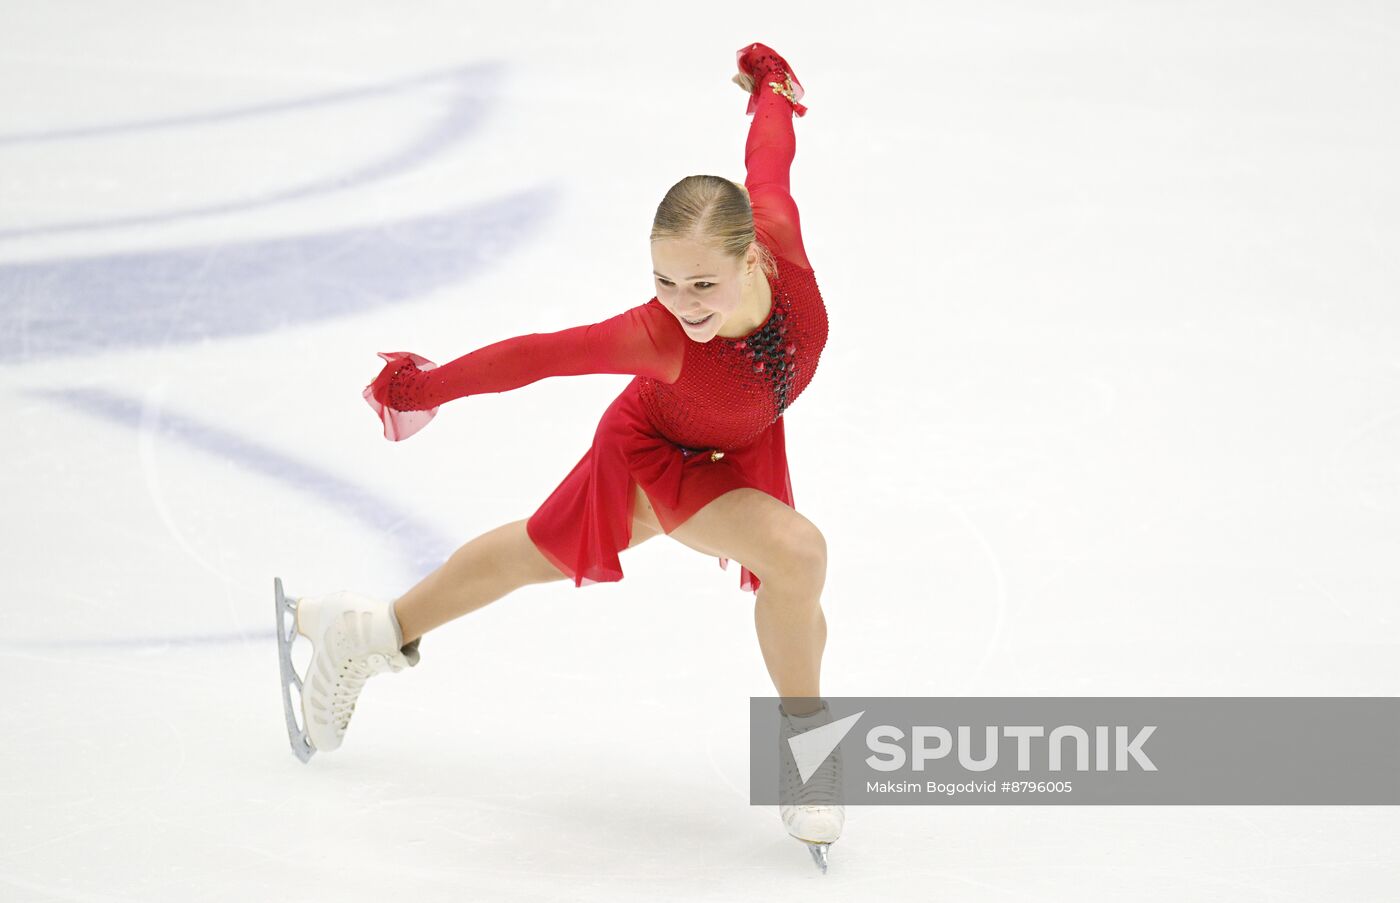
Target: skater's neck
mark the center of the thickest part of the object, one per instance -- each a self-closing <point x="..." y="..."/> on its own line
<point x="756" y="303"/>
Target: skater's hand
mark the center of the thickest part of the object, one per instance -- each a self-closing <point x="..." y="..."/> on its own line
<point x="761" y="65"/>
<point x="388" y="395"/>
<point x="386" y="379"/>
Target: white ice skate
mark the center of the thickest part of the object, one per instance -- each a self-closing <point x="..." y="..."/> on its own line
<point x="810" y="811"/>
<point x="353" y="638"/>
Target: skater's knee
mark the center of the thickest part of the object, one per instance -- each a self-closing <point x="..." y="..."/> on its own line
<point x="766" y="535"/>
<point x="796" y="554"/>
<point x="521" y="560"/>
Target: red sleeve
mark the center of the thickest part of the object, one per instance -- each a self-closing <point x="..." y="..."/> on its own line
<point x="768" y="156"/>
<point x="644" y="341"/>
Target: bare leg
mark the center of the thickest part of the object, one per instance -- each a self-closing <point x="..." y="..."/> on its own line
<point x="787" y="553"/>
<point x="792" y="633"/>
<point x="482" y="571"/>
<point x="489" y="567"/>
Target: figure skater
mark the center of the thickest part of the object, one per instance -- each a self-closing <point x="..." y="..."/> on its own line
<point x="693" y="447"/>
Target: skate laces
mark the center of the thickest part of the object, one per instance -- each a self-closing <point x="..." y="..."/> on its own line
<point x="354" y="671"/>
<point x="821" y="789"/>
<point x="823" y="786"/>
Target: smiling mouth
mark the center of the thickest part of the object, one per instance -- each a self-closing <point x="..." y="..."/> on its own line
<point x="698" y="322"/>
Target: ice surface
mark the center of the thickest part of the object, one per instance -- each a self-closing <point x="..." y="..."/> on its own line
<point x="1111" y="406"/>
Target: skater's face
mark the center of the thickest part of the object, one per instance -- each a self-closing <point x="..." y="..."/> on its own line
<point x="694" y="281"/>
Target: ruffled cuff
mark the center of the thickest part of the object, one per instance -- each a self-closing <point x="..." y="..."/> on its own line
<point x="770" y="72"/>
<point x="398" y="425"/>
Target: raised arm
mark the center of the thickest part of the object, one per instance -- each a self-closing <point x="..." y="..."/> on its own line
<point x="645" y="340"/>
<point x="770" y="149"/>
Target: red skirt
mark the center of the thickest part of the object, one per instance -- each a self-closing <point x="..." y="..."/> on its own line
<point x="587" y="520"/>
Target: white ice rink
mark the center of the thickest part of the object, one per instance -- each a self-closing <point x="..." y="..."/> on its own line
<point x="1110" y="406"/>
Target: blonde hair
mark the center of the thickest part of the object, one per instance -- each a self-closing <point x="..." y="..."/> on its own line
<point x="715" y="211"/>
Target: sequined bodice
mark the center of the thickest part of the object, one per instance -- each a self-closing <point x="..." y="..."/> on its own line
<point x="731" y="390"/>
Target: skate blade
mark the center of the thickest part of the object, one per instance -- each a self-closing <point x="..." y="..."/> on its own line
<point x="286" y="633"/>
<point x="818" y="851"/>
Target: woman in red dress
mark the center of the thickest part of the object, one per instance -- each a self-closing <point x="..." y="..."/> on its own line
<point x="693" y="447"/>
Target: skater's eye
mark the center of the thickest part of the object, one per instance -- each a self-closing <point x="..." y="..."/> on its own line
<point x="667" y="282"/>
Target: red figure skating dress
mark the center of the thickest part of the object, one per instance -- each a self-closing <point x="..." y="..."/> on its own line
<point x="699" y="419"/>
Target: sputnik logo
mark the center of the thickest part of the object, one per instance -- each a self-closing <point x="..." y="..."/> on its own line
<point x="810" y="748"/>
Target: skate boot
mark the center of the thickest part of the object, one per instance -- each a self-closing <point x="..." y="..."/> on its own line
<point x="810" y="810"/>
<point x="354" y="638"/>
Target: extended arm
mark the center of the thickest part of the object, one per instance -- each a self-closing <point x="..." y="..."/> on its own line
<point x="770" y="149"/>
<point x="644" y="341"/>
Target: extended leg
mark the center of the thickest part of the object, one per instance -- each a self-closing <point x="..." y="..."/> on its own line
<point x="489" y="567"/>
